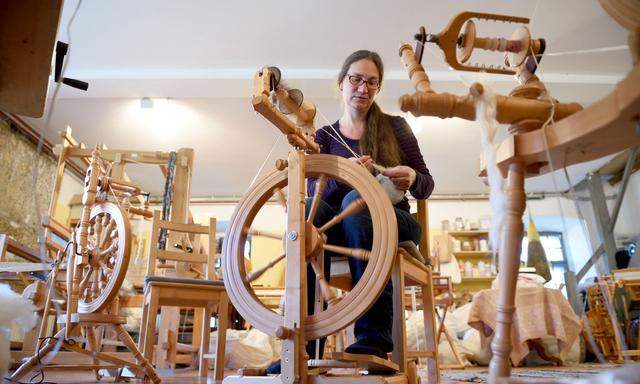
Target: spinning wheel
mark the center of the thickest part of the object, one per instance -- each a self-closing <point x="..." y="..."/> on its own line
<point x="97" y="262"/>
<point x="108" y="247"/>
<point x="544" y="134"/>
<point x="340" y="313"/>
<point x="305" y="244"/>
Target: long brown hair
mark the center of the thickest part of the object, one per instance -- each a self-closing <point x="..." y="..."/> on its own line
<point x="378" y="140"/>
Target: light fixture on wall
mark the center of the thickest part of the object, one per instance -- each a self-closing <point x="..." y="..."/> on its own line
<point x="146" y="103"/>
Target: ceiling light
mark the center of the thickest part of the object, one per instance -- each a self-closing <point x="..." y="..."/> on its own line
<point x="146" y="103"/>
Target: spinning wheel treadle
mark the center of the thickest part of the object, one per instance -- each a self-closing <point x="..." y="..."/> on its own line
<point x="341" y="313"/>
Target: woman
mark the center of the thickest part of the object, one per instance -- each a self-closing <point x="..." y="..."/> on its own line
<point x="377" y="138"/>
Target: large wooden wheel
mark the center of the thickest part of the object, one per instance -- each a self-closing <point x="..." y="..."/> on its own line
<point x="349" y="308"/>
<point x="108" y="248"/>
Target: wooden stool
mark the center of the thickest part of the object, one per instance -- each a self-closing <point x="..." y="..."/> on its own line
<point x="208" y="294"/>
<point x="407" y="272"/>
<point x="442" y="286"/>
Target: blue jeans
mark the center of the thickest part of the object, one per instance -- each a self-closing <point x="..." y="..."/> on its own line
<point x="356" y="231"/>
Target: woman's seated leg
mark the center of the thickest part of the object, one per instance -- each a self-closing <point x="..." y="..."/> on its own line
<point x="373" y="329"/>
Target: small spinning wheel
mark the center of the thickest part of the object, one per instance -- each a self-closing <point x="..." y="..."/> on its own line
<point x="108" y="248"/>
<point x="340" y="312"/>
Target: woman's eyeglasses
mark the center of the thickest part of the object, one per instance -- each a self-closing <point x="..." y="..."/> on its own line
<point x="356" y="80"/>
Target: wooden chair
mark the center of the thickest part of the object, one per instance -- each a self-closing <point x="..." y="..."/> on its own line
<point x="410" y="271"/>
<point x="442" y="286"/>
<point x="204" y="293"/>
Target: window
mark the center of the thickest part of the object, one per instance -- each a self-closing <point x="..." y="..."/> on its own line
<point x="554" y="250"/>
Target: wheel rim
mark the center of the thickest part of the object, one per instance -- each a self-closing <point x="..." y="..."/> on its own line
<point x="363" y="294"/>
<point x="109" y="247"/>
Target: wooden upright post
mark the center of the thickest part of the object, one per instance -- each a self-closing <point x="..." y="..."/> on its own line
<point x="423" y="219"/>
<point x="293" y="356"/>
<point x="510" y="247"/>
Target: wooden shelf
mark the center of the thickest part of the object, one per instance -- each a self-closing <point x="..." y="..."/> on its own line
<point x="468" y="233"/>
<point x="474" y="254"/>
<point x="478" y="278"/>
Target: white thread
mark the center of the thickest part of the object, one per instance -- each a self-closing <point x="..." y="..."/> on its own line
<point x="486" y="110"/>
<point x="339" y="138"/>
<point x="593" y="50"/>
<point x="273" y="147"/>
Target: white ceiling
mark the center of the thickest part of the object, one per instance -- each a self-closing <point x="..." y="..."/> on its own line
<point x="202" y="56"/>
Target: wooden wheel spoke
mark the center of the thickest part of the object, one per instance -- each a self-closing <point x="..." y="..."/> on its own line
<point x="105" y="266"/>
<point x="357" y="253"/>
<point x="353" y="208"/>
<point x="327" y="293"/>
<point x="112" y="248"/>
<point x="100" y="279"/>
<point x="97" y="230"/>
<point x="95" y="284"/>
<point x="259" y="272"/>
<point x="85" y="279"/>
<point x="282" y="199"/>
<point x="106" y="233"/>
<point x="317" y="196"/>
<point x="271" y="235"/>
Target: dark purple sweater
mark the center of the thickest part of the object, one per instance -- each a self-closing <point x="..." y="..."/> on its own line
<point x="334" y="192"/>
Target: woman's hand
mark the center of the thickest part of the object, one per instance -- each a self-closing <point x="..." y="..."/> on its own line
<point x="364" y="160"/>
<point x="401" y="176"/>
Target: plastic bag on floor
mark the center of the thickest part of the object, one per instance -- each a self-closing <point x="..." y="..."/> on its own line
<point x="550" y="345"/>
<point x="250" y="348"/>
<point x="416" y="341"/>
<point x="471" y="343"/>
<point x="446" y="354"/>
<point x="20" y="312"/>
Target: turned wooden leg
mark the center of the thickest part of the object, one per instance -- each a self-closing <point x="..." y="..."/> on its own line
<point x="150" y="326"/>
<point x="143" y="325"/>
<point x="399" y="331"/>
<point x="126" y="339"/>
<point x="430" y="333"/>
<point x="205" y="336"/>
<point x="509" y="261"/>
<point x="93" y="346"/>
<point x="223" y="324"/>
<point x="40" y="354"/>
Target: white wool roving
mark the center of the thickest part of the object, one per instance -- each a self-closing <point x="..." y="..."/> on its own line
<point x="18" y="310"/>
<point x="486" y="117"/>
<point x="395" y="195"/>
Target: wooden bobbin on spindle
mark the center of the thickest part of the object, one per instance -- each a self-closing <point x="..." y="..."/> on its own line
<point x="517" y="47"/>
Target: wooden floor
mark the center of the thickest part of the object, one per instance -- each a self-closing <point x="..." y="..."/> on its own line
<point x="191" y="376"/>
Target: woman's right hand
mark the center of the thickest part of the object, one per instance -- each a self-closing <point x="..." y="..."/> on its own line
<point x="364" y="160"/>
